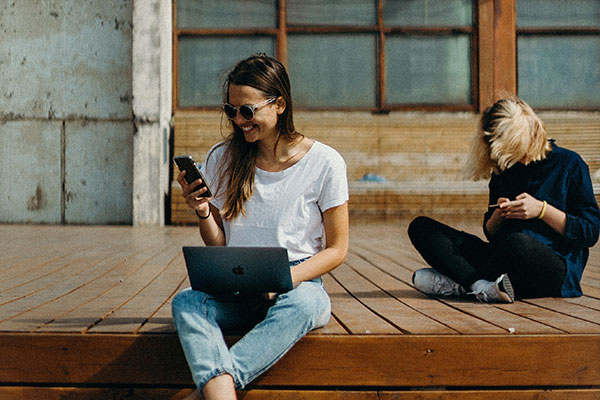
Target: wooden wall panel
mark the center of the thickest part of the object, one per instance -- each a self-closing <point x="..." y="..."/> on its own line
<point x="418" y="154"/>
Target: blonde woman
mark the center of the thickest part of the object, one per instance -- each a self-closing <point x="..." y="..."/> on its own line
<point x="541" y="219"/>
<point x="274" y="188"/>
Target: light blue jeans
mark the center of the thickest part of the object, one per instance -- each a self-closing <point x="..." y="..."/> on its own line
<point x="274" y="327"/>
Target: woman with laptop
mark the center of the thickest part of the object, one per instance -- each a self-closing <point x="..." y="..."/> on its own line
<point x="272" y="187"/>
<point x="541" y="219"/>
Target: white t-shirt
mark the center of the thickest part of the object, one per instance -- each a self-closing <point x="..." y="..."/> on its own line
<point x="285" y="209"/>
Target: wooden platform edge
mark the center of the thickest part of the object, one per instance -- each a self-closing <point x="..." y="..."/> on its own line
<point x="130" y="393"/>
<point x="316" y="361"/>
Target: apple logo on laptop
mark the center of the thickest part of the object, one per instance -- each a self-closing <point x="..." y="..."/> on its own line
<point x="239" y="270"/>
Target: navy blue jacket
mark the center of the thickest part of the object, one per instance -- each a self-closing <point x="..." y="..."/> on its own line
<point x="563" y="180"/>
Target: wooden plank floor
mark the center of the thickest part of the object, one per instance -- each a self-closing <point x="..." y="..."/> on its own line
<point x="85" y="313"/>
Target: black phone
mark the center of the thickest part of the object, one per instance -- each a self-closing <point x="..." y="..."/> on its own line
<point x="186" y="163"/>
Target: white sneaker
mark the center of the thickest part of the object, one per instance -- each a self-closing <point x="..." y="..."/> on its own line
<point x="499" y="291"/>
<point x="433" y="283"/>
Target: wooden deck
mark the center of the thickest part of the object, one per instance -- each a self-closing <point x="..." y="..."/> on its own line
<point x="85" y="313"/>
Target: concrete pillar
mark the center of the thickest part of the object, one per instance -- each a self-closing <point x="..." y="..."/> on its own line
<point x="152" y="108"/>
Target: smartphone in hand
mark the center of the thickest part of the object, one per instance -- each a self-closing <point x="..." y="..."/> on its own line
<point x="186" y="163"/>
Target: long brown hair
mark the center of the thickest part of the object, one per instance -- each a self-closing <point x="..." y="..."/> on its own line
<point x="268" y="75"/>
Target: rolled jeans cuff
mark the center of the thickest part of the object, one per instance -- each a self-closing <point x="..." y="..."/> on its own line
<point x="218" y="372"/>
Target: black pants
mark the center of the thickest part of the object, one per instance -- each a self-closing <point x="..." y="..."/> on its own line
<point x="534" y="269"/>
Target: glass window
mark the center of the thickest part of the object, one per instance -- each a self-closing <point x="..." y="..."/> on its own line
<point x="334" y="50"/>
<point x="558" y="13"/>
<point x="558" y="50"/>
<point x="333" y="70"/>
<point x="226" y="14"/>
<point x="340" y="12"/>
<point x="427" y="13"/>
<point x="428" y="70"/>
<point x="203" y="60"/>
<point x="559" y="71"/>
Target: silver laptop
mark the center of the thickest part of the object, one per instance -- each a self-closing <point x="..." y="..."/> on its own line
<point x="243" y="270"/>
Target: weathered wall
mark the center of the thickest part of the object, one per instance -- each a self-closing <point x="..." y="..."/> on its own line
<point x="72" y="149"/>
<point x="65" y="104"/>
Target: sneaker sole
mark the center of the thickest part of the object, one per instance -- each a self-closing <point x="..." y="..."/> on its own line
<point x="506" y="286"/>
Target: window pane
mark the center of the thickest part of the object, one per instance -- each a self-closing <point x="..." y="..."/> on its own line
<point x="332" y="70"/>
<point x="341" y="12"/>
<point x="559" y="71"/>
<point x="428" y="70"/>
<point x="427" y="13"/>
<point x="202" y="60"/>
<point x="226" y="14"/>
<point x="555" y="13"/>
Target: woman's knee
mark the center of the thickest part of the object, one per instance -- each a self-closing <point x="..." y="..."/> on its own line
<point x="420" y="230"/>
<point x="180" y="300"/>
<point x="416" y="228"/>
<point x="309" y="302"/>
<point x="187" y="299"/>
<point x="418" y="225"/>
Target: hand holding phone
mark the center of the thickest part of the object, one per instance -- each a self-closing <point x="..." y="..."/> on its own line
<point x="192" y="173"/>
<point x="501" y="200"/>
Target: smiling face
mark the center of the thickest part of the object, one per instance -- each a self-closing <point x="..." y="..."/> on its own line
<point x="264" y="124"/>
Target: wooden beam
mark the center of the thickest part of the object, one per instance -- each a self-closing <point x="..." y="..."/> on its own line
<point x="497" y="57"/>
<point x="282" y="53"/>
<point x="79" y="393"/>
<point x="485" y="22"/>
<point x="382" y="81"/>
<point x="426" y="361"/>
<point x="316" y="361"/>
<point x="505" y="48"/>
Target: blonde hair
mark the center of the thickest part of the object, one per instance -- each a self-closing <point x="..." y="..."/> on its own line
<point x="509" y="132"/>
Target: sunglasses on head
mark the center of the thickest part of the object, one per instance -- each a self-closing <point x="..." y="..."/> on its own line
<point x="247" y="110"/>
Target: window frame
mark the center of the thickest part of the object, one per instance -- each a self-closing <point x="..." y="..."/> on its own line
<point x="493" y="44"/>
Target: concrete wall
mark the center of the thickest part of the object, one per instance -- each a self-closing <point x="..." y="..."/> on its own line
<point x="71" y="145"/>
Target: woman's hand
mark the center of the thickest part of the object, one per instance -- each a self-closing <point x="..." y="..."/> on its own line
<point x="211" y="229"/>
<point x="497" y="218"/>
<point x="524" y="206"/>
<point x="193" y="196"/>
<point x="270" y="296"/>
<point x="502" y="202"/>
